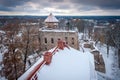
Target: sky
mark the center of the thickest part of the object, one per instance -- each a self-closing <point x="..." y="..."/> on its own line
<point x="60" y="7"/>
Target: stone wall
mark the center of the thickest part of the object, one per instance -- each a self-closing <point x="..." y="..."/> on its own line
<point x="71" y="38"/>
<point x="98" y="59"/>
<point x="99" y="62"/>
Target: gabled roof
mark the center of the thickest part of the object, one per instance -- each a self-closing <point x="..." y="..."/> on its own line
<point x="69" y="64"/>
<point x="66" y="63"/>
<point x="51" y="18"/>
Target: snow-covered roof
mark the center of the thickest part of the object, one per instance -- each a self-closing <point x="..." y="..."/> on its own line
<point x="26" y="74"/>
<point x="56" y="30"/>
<point x="51" y="18"/>
<point x="69" y="64"/>
<point x="66" y="64"/>
<point x="100" y="26"/>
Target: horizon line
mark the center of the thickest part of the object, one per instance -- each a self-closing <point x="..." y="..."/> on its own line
<point x="57" y="15"/>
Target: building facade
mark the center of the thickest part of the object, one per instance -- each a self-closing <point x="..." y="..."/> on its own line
<point x="50" y="35"/>
<point x="49" y="38"/>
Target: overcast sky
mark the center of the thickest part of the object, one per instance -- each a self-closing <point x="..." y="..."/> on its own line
<point x="60" y="7"/>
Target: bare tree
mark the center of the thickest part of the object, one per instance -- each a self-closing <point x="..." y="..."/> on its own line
<point x="12" y="59"/>
<point x="115" y="36"/>
<point x="30" y="41"/>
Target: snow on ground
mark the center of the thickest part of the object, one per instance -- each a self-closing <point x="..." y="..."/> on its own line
<point x="1" y="58"/>
<point x="69" y="64"/>
<point x="111" y="60"/>
<point x="32" y="59"/>
<point x="3" y="49"/>
<point x="2" y="32"/>
<point x="80" y="36"/>
<point x="19" y="34"/>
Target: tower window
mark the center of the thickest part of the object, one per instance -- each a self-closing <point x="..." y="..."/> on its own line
<point x="45" y="40"/>
<point x="52" y="40"/>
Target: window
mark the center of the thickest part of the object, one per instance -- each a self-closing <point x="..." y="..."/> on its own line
<point x="72" y="38"/>
<point x="66" y="42"/>
<point x="66" y="38"/>
<point x="45" y="48"/>
<point x="58" y="39"/>
<point x="45" y="40"/>
<point x="72" y="41"/>
<point x="39" y="39"/>
<point x="52" y="40"/>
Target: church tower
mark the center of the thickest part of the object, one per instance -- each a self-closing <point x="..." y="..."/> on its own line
<point x="51" y="21"/>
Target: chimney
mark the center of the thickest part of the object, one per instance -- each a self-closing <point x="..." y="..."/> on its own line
<point x="60" y="44"/>
<point x="48" y="57"/>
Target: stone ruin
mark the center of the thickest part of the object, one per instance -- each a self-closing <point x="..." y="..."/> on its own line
<point x="98" y="58"/>
<point x="99" y="62"/>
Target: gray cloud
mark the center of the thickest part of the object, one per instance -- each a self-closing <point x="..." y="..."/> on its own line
<point x="12" y="3"/>
<point x="64" y="6"/>
<point x="7" y="5"/>
<point x="73" y="5"/>
<point x="2" y="8"/>
<point x="56" y="0"/>
<point x="103" y="4"/>
<point x="86" y="8"/>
